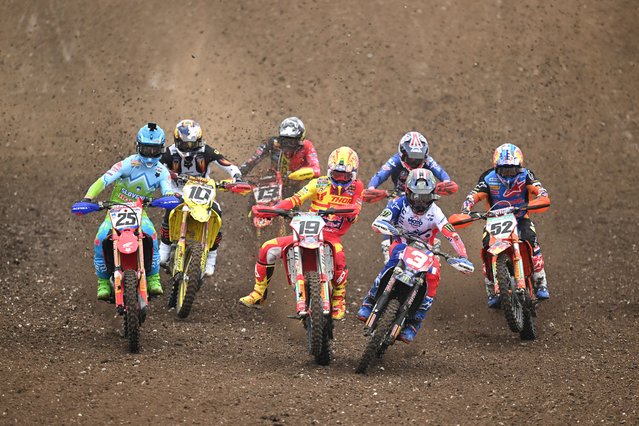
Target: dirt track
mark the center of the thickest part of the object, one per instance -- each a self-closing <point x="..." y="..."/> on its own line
<point x="560" y="80"/>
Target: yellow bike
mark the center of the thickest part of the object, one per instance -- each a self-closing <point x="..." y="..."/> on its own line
<point x="193" y="228"/>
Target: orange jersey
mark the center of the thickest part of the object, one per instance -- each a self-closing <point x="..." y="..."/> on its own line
<point x="324" y="195"/>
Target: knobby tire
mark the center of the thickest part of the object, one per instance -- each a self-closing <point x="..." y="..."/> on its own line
<point x="513" y="310"/>
<point x="529" y="329"/>
<point x="375" y="346"/>
<point x="188" y="289"/>
<point x="131" y="310"/>
<point x="316" y="322"/>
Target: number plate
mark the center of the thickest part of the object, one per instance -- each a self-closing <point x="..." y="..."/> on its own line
<point x="416" y="259"/>
<point x="199" y="194"/>
<point x="267" y="194"/>
<point x="307" y="226"/>
<point x="123" y="217"/>
<point x="502" y="226"/>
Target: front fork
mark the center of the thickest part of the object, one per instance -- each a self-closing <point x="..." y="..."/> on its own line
<point x="180" y="248"/>
<point x="518" y="269"/>
<point x="300" y="284"/>
<point x="118" y="275"/>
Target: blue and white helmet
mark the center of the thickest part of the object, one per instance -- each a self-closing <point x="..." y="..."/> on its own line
<point x="150" y="144"/>
<point x="508" y="162"/>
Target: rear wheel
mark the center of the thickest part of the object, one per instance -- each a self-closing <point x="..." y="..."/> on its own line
<point x="376" y="346"/>
<point x="316" y="323"/>
<point x="510" y="302"/>
<point x="190" y="280"/>
<point x="131" y="310"/>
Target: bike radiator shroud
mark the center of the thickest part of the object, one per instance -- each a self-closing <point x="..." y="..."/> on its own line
<point x="328" y="261"/>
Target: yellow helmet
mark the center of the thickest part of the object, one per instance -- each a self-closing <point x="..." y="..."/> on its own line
<point x="342" y="166"/>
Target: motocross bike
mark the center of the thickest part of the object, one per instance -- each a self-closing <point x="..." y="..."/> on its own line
<point x="309" y="268"/>
<point x="267" y="191"/>
<point x="508" y="263"/>
<point x="193" y="228"/>
<point x="400" y="295"/>
<point x="128" y="253"/>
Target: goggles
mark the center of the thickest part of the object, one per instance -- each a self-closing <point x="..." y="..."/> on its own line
<point x="508" y="171"/>
<point x="150" y="151"/>
<point x="187" y="146"/>
<point x="413" y="163"/>
<point x="341" y="177"/>
<point x="421" y="202"/>
<point x="288" y="142"/>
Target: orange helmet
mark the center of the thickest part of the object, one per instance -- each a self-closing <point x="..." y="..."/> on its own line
<point x="342" y="166"/>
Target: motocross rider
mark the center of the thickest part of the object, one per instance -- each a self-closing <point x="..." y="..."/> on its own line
<point x="510" y="183"/>
<point x="412" y="153"/>
<point x="291" y="154"/>
<point x="137" y="176"/>
<point x="340" y="189"/>
<point x="190" y="155"/>
<point x="416" y="214"/>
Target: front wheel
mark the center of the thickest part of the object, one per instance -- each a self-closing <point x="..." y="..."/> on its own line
<point x="190" y="280"/>
<point x="317" y="326"/>
<point x="376" y="345"/>
<point x="529" y="329"/>
<point x="131" y="310"/>
<point x="510" y="302"/>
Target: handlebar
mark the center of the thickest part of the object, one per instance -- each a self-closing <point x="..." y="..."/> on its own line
<point x="85" y="207"/>
<point x="291" y="213"/>
<point x="411" y="238"/>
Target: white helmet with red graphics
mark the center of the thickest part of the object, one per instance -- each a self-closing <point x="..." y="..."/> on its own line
<point x="413" y="150"/>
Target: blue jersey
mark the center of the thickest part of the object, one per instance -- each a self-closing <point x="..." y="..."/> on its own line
<point x="496" y="190"/>
<point x="394" y="169"/>
<point x="132" y="180"/>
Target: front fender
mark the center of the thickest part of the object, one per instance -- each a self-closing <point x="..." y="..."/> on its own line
<point x="128" y="243"/>
<point x="499" y="247"/>
<point x="200" y="212"/>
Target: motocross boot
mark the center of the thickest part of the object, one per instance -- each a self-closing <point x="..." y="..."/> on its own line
<point x="369" y="301"/>
<point x="104" y="289"/>
<point x="494" y="301"/>
<point x="414" y="324"/>
<point x="153" y="285"/>
<point x="540" y="283"/>
<point x="210" y="263"/>
<point x="165" y="253"/>
<point x="256" y="298"/>
<point x="338" y="301"/>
